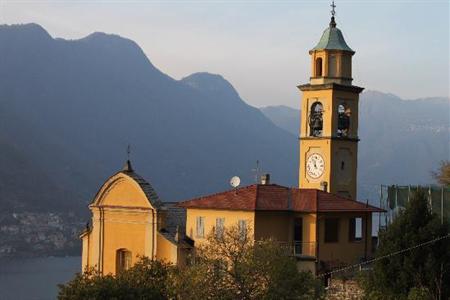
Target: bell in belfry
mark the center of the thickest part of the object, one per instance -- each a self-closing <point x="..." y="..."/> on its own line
<point x="343" y="122"/>
<point x="316" y="123"/>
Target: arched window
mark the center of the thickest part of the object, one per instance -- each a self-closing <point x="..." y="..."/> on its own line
<point x="316" y="119"/>
<point x="123" y="260"/>
<point x="344" y="114"/>
<point x="319" y="67"/>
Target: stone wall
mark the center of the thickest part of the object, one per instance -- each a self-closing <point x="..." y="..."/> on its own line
<point x="344" y="290"/>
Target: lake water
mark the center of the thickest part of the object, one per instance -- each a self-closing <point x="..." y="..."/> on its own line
<point x="35" y="278"/>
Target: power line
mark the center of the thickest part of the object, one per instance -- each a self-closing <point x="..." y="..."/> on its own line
<point x="384" y="256"/>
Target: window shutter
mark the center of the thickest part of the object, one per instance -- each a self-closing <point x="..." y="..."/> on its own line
<point x="220" y="222"/>
<point x="242" y="228"/>
<point x="200" y="227"/>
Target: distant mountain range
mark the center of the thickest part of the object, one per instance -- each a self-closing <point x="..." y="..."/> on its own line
<point x="402" y="141"/>
<point x="69" y="108"/>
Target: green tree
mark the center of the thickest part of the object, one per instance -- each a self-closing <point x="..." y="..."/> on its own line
<point x="147" y="279"/>
<point x="233" y="266"/>
<point x="230" y="267"/>
<point x="422" y="270"/>
<point x="442" y="175"/>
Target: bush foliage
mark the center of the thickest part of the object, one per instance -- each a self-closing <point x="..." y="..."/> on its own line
<point x="422" y="272"/>
<point x="231" y="266"/>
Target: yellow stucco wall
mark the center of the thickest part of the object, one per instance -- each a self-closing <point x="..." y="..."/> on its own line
<point x="345" y="251"/>
<point x="130" y="230"/>
<point x="121" y="190"/>
<point x="309" y="234"/>
<point x="231" y="219"/>
<point x="167" y="251"/>
<point x="265" y="224"/>
<point x="85" y="245"/>
<point x="279" y="226"/>
<point x="274" y="225"/>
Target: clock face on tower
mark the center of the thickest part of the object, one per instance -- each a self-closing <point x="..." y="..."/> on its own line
<point x="315" y="165"/>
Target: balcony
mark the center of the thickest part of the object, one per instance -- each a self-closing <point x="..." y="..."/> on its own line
<point x="301" y="249"/>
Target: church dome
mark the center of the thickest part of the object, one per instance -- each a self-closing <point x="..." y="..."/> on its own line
<point x="332" y="39"/>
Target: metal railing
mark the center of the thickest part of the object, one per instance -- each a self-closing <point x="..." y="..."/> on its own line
<point x="301" y="249"/>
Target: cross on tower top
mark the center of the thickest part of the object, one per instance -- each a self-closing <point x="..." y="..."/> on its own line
<point x="333" y="13"/>
<point x="333" y="6"/>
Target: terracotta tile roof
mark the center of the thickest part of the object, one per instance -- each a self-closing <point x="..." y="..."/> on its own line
<point x="277" y="197"/>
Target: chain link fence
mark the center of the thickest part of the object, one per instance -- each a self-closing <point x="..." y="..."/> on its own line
<point x="394" y="198"/>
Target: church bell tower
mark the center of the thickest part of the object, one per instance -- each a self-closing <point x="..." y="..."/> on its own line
<point x="329" y="117"/>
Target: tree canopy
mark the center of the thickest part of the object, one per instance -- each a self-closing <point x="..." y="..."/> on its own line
<point x="421" y="273"/>
<point x="147" y="279"/>
<point x="442" y="175"/>
<point x="229" y="266"/>
<point x="233" y="266"/>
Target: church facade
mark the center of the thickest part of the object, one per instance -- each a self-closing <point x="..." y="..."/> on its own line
<point x="320" y="221"/>
<point x="129" y="221"/>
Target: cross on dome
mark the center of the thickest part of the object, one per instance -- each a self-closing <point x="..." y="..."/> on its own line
<point x="333" y="6"/>
<point x="333" y="13"/>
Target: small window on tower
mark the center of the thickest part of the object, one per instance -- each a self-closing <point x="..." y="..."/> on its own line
<point x="316" y="119"/>
<point x="319" y="67"/>
<point x="344" y="114"/>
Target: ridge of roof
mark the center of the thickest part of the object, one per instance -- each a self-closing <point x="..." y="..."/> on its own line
<point x="259" y="197"/>
<point x="255" y="185"/>
<point x="236" y="191"/>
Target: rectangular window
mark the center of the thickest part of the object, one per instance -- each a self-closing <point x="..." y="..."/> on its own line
<point x="219" y="227"/>
<point x="298" y="236"/>
<point x="355" y="229"/>
<point x="331" y="230"/>
<point x="242" y="228"/>
<point x="200" y="232"/>
<point x="298" y="229"/>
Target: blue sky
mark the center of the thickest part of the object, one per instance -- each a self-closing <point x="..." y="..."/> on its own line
<point x="261" y="47"/>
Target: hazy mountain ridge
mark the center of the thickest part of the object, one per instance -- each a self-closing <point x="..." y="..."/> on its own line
<point x="69" y="108"/>
<point x="87" y="99"/>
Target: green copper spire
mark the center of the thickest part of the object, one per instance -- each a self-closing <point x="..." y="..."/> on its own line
<point x="332" y="38"/>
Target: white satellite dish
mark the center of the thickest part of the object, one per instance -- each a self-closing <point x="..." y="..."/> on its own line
<point x="235" y="181"/>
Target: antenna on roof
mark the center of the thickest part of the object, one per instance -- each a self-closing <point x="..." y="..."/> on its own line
<point x="128" y="151"/>
<point x="257" y="171"/>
